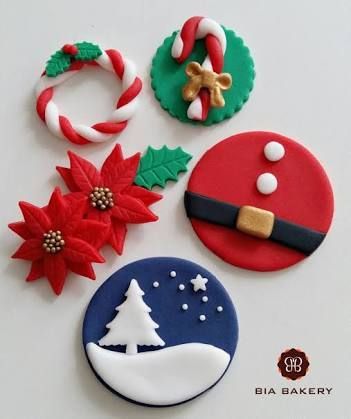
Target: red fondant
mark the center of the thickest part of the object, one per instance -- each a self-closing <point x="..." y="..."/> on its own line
<point x="65" y="216"/>
<point x="70" y="49"/>
<point x="228" y="172"/>
<point x="118" y="174"/>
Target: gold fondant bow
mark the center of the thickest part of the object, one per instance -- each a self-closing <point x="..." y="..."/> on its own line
<point x="200" y="78"/>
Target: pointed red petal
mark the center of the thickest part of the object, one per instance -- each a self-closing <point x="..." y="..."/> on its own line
<point x="30" y="250"/>
<point x="68" y="178"/>
<point x="85" y="175"/>
<point x="112" y="160"/>
<point x="76" y="208"/>
<point x="21" y="229"/>
<point x="77" y="250"/>
<point x="56" y="271"/>
<point x="148" y="197"/>
<point x="57" y="209"/>
<point x="74" y="196"/>
<point x="92" y="232"/>
<point x="36" y="219"/>
<point x="122" y="175"/>
<point x="131" y="210"/>
<point x="83" y="269"/>
<point x="117" y="235"/>
<point x="101" y="216"/>
<point x="36" y="271"/>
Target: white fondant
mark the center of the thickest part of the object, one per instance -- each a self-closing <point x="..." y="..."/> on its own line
<point x="266" y="183"/>
<point x="133" y="324"/>
<point x="199" y="283"/>
<point x="156" y="284"/>
<point x="105" y="62"/>
<point x="204" y="299"/>
<point x="202" y="317"/>
<point x="177" y="46"/>
<point x="209" y="26"/>
<point x="219" y="309"/>
<point x="52" y="118"/>
<point x="91" y="133"/>
<point x="124" y="113"/>
<point x="274" y="151"/>
<point x="173" y="274"/>
<point x="181" y="287"/>
<point x="162" y="377"/>
<point x="195" y="109"/>
<point x="206" y="27"/>
<point x="185" y="307"/>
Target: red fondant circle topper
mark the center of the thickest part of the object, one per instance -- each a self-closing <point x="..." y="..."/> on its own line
<point x="282" y="177"/>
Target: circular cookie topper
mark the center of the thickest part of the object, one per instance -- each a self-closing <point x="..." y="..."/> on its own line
<point x="157" y="345"/>
<point x="260" y="201"/>
<point x="67" y="62"/>
<point x="203" y="73"/>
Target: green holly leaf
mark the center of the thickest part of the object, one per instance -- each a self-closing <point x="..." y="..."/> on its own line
<point x="57" y="64"/>
<point x="87" y="51"/>
<point x="158" y="166"/>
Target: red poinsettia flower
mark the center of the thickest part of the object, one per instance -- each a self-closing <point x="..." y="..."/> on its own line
<point x="58" y="240"/>
<point x="110" y="194"/>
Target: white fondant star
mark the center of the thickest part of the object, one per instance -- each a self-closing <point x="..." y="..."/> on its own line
<point x="199" y="283"/>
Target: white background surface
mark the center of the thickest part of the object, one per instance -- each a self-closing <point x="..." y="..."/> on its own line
<point x="302" y="89"/>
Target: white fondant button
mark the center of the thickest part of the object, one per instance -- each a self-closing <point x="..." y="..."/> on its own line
<point x="266" y="183"/>
<point x="274" y="151"/>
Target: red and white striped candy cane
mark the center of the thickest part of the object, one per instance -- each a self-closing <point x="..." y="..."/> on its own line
<point x="61" y="126"/>
<point x="198" y="27"/>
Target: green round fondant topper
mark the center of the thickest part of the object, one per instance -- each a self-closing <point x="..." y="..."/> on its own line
<point x="168" y="77"/>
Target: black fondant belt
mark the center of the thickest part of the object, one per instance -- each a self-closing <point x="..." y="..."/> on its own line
<point x="253" y="221"/>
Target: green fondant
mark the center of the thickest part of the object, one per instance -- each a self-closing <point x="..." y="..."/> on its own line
<point x="60" y="62"/>
<point x="158" y="166"/>
<point x="168" y="78"/>
<point x="57" y="64"/>
<point x="87" y="51"/>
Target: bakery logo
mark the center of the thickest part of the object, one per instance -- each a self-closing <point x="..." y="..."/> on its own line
<point x="293" y="364"/>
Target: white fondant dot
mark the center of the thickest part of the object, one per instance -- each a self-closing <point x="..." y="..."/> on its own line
<point x="274" y="151"/>
<point x="173" y="274"/>
<point x="219" y="309"/>
<point x="155" y="284"/>
<point x="181" y="287"/>
<point x="202" y="317"/>
<point x="204" y="299"/>
<point x="185" y="307"/>
<point x="266" y="183"/>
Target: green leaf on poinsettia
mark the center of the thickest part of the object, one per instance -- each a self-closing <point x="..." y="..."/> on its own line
<point x="57" y="64"/>
<point x="87" y="51"/>
<point x="158" y="166"/>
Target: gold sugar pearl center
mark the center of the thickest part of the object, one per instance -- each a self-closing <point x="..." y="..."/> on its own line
<point x="101" y="198"/>
<point x="53" y="241"/>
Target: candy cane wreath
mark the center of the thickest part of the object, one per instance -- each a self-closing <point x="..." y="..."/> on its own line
<point x="67" y="62"/>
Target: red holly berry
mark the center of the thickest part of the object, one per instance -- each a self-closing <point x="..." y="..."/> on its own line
<point x="58" y="240"/>
<point x="70" y="49"/>
<point x="110" y="194"/>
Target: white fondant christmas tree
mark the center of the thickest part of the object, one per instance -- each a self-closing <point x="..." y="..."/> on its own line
<point x="133" y="324"/>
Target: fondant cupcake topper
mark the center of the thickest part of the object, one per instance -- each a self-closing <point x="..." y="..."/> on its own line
<point x="160" y="331"/>
<point x="57" y="240"/>
<point x="67" y="62"/>
<point x="260" y="201"/>
<point x="210" y="56"/>
<point x="67" y="234"/>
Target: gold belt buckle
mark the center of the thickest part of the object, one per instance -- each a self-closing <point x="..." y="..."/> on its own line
<point x="255" y="221"/>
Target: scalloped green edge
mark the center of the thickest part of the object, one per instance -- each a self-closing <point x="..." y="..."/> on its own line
<point x="241" y="68"/>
